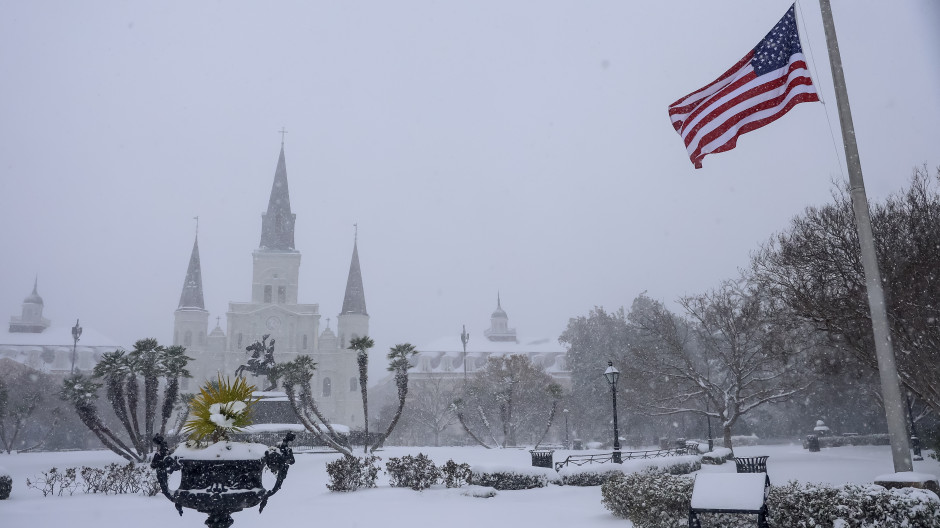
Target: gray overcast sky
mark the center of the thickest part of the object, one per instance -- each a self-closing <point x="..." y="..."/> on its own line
<point x="521" y="147"/>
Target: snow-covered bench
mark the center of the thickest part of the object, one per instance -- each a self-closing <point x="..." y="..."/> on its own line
<point x="739" y="493"/>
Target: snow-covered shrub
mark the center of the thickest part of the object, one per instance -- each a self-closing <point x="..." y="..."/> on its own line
<point x="597" y="474"/>
<point x="512" y="478"/>
<point x="6" y="483"/>
<point x="417" y="473"/>
<point x="718" y="456"/>
<point x="350" y="474"/>
<point x="857" y="440"/>
<point x="680" y="466"/>
<point x="117" y="479"/>
<point x="651" y="499"/>
<point x="113" y="478"/>
<point x="54" y="482"/>
<point x="592" y="476"/>
<point x="852" y="506"/>
<point x="455" y="475"/>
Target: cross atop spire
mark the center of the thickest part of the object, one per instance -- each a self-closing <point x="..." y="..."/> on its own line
<point x="282" y="132"/>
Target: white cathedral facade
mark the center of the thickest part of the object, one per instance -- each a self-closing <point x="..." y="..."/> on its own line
<point x="275" y="310"/>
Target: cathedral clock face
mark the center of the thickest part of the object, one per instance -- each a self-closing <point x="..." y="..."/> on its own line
<point x="273" y="323"/>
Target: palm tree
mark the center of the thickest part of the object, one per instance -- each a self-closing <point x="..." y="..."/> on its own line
<point x="147" y="357"/>
<point x="115" y="369"/>
<point x="362" y="345"/>
<point x="119" y="371"/>
<point x="173" y="365"/>
<point x="398" y="362"/>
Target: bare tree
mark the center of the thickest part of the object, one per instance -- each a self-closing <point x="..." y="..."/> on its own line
<point x="728" y="358"/>
<point x="814" y="267"/>
<point x="432" y="406"/>
<point x="26" y="421"/>
<point x="512" y="393"/>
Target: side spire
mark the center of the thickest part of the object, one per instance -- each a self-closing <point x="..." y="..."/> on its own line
<point x="277" y="224"/>
<point x="192" y="286"/>
<point x="355" y="300"/>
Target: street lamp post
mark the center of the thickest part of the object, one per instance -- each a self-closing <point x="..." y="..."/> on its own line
<point x="76" y="333"/>
<point x="567" y="443"/>
<point x="915" y="441"/>
<point x="464" y="337"/>
<point x="708" y="417"/>
<point x="612" y="375"/>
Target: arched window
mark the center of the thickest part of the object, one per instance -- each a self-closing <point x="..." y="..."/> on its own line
<point x="267" y="294"/>
<point x="188" y="338"/>
<point x="305" y="342"/>
<point x="353" y="384"/>
<point x="327" y="387"/>
<point x="239" y="340"/>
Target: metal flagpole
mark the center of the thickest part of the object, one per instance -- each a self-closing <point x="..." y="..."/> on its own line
<point x="887" y="366"/>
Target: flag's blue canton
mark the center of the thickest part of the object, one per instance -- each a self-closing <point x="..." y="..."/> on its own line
<point x="778" y="46"/>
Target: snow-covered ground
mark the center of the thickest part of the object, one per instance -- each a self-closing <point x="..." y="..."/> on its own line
<point x="304" y="498"/>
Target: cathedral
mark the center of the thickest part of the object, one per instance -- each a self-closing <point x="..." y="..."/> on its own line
<point x="275" y="310"/>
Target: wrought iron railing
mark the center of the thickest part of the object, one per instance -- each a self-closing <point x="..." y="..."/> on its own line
<point x="603" y="458"/>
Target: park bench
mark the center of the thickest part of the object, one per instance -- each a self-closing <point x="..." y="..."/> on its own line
<point x="730" y="493"/>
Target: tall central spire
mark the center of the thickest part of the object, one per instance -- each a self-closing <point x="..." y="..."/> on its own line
<point x="277" y="224"/>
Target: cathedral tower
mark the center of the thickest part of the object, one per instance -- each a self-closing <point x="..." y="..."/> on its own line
<point x="353" y="321"/>
<point x="273" y="309"/>
<point x="191" y="319"/>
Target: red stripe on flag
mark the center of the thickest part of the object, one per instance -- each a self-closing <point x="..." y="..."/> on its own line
<point x="730" y="122"/>
<point x="715" y="112"/>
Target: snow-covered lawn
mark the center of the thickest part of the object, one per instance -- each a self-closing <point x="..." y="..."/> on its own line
<point x="305" y="501"/>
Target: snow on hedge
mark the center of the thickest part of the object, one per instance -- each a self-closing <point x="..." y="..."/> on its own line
<point x="633" y="466"/>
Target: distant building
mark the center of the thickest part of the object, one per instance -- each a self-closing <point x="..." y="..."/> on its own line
<point x="32" y="340"/>
<point x="274" y="309"/>
<point x="445" y="359"/>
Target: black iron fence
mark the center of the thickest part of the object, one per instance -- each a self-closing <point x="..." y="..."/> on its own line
<point x="603" y="458"/>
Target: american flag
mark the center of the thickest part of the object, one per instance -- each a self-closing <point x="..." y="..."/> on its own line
<point x="758" y="90"/>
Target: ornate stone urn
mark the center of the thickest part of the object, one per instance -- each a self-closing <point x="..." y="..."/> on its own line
<point x="222" y="478"/>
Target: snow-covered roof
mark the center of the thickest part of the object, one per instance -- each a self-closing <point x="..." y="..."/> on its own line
<point x="521" y="346"/>
<point x="445" y="356"/>
<point x="57" y="336"/>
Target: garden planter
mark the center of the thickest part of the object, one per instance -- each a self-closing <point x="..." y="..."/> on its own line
<point x="222" y="478"/>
